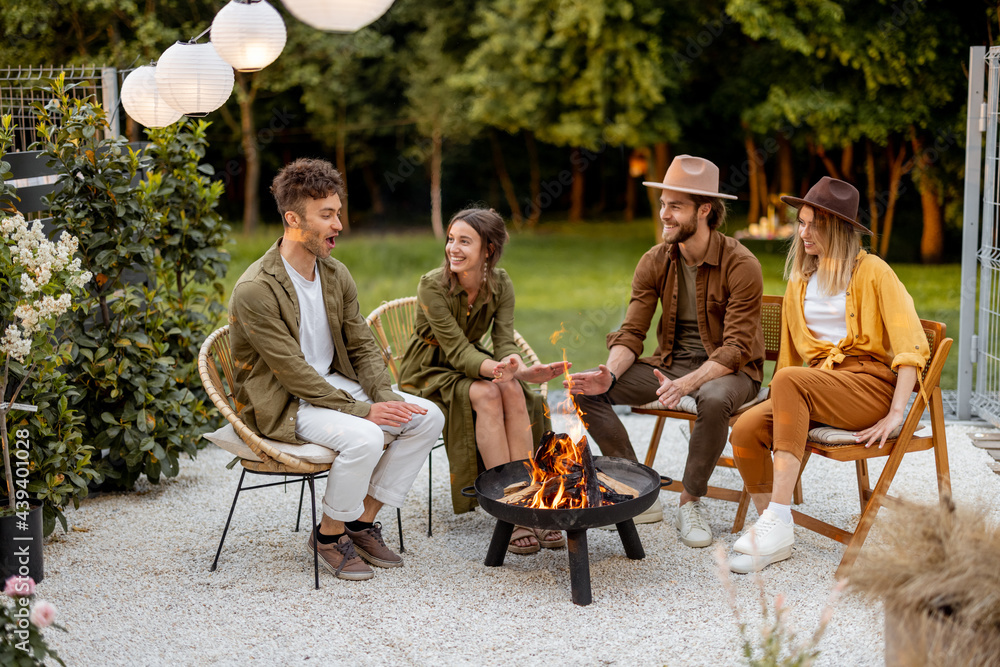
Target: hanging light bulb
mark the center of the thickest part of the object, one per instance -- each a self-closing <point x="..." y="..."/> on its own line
<point x="143" y="102"/>
<point x="193" y="79"/>
<point x="248" y="34"/>
<point x="337" y="15"/>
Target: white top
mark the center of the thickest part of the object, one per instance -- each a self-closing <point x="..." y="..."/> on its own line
<point x="315" y="337"/>
<point x="826" y="316"/>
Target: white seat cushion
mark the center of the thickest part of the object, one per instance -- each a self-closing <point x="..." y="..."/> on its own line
<point x="829" y="435"/>
<point x="227" y="439"/>
<point x="687" y="403"/>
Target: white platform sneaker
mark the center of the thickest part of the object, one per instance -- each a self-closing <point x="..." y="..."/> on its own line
<point x="768" y="541"/>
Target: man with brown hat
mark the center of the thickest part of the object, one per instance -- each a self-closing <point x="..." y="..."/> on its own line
<point x="710" y="345"/>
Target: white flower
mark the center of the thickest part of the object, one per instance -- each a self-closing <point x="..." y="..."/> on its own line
<point x="28" y="285"/>
<point x="13" y="344"/>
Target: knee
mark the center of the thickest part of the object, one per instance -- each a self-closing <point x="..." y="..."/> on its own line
<point x="788" y="379"/>
<point x="512" y="394"/>
<point x="435" y="417"/>
<point x="485" y="396"/>
<point x="714" y="403"/>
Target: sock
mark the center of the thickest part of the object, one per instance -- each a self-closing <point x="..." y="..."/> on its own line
<point x="327" y="539"/>
<point x="358" y="526"/>
<point x="784" y="512"/>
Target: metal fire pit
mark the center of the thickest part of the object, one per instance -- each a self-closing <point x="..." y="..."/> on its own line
<point x="646" y="481"/>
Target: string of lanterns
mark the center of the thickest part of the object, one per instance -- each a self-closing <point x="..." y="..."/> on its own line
<point x="193" y="79"/>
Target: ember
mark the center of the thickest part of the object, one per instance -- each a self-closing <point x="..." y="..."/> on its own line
<point x="563" y="476"/>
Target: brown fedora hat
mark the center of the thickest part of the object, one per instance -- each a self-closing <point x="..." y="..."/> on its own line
<point x="833" y="196"/>
<point x="694" y="175"/>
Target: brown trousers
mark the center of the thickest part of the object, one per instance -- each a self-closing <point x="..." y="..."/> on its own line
<point x="853" y="396"/>
<point x="717" y="400"/>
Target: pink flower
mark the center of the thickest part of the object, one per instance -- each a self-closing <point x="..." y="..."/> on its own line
<point x="19" y="587"/>
<point x="42" y="614"/>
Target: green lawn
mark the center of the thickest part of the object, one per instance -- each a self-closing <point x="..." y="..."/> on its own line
<point x="571" y="278"/>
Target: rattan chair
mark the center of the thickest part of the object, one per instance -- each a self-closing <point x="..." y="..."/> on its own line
<point x="688" y="410"/>
<point x="392" y="323"/>
<point x="265" y="457"/>
<point x="839" y="445"/>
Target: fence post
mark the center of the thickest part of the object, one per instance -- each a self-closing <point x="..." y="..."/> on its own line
<point x="970" y="229"/>
<point x="109" y="87"/>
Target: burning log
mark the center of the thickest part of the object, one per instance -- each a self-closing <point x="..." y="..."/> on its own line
<point x="615" y="486"/>
<point x="590" y="483"/>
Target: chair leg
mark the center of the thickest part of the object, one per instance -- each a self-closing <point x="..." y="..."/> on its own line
<point x="399" y="525"/>
<point x="225" y="530"/>
<point x="654" y="442"/>
<point x="298" y="517"/>
<point x="430" y="489"/>
<point x="864" y="485"/>
<point x="940" y="444"/>
<point x="312" y="500"/>
<point x="741" y="511"/>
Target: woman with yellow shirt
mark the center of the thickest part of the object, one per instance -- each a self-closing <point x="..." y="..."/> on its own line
<point x="851" y="322"/>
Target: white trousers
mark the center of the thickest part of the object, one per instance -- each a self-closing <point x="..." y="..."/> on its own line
<point x="380" y="461"/>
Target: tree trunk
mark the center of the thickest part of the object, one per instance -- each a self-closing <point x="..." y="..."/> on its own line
<point x="847" y="163"/>
<point x="437" y="223"/>
<point x="753" y="214"/>
<point x="932" y="237"/>
<point x="341" y="151"/>
<point x="655" y="172"/>
<point x="576" y="189"/>
<point x="629" y="197"/>
<point x="374" y="189"/>
<point x="247" y="92"/>
<point x="786" y="173"/>
<point x="602" y="199"/>
<point x="831" y="168"/>
<point x="535" y="179"/>
<point x="508" y="185"/>
<point x="872" y="193"/>
<point x="896" y="172"/>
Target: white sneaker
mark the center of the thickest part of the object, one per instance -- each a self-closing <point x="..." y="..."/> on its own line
<point x="693" y="525"/>
<point x="768" y="541"/>
<point x="651" y="515"/>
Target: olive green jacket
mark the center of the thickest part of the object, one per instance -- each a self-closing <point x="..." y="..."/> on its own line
<point x="271" y="371"/>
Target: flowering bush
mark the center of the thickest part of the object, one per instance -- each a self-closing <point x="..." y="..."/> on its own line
<point x="39" y="279"/>
<point x="21" y="639"/>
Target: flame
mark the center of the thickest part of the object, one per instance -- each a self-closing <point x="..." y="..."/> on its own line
<point x="556" y="335"/>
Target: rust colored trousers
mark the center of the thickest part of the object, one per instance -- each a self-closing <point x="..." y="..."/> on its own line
<point x="852" y="396"/>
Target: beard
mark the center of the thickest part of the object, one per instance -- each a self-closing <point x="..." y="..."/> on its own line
<point x="681" y="233"/>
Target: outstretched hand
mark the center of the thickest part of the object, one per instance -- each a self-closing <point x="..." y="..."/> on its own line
<point x="393" y="413"/>
<point x="540" y="373"/>
<point x="589" y="383"/>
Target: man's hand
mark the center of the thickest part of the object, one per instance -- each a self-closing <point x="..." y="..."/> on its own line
<point x="540" y="373"/>
<point x="393" y="413"/>
<point x="590" y="383"/>
<point x="671" y="392"/>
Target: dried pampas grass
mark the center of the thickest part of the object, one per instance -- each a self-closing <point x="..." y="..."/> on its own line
<point x="938" y="573"/>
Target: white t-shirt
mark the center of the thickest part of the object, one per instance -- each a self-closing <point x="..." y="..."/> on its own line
<point x="825" y="315"/>
<point x="315" y="337"/>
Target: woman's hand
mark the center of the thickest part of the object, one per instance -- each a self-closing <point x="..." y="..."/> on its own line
<point x="508" y="369"/>
<point x="540" y="373"/>
<point x="881" y="430"/>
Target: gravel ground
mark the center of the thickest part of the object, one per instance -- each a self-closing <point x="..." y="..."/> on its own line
<point x="132" y="584"/>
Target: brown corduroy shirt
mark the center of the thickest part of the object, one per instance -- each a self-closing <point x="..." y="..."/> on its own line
<point x="729" y="289"/>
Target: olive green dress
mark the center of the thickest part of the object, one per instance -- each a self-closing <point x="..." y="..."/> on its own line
<point x="443" y="358"/>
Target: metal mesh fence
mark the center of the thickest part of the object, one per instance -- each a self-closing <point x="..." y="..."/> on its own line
<point x="21" y="87"/>
<point x="986" y="397"/>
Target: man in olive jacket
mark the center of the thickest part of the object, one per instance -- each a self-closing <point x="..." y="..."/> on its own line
<point x="709" y="339"/>
<point x="309" y="370"/>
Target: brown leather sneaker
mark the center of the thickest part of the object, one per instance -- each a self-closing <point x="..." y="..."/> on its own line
<point x="340" y="558"/>
<point x="371" y="547"/>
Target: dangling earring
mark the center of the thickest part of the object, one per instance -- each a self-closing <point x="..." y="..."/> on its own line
<point x="485" y="269"/>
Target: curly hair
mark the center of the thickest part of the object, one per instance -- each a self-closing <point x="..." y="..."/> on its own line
<point x="305" y="178"/>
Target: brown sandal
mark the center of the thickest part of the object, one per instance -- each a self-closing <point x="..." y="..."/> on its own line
<point x="542" y="534"/>
<point x="520" y="532"/>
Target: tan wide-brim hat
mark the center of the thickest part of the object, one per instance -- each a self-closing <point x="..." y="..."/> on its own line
<point x="833" y="196"/>
<point x="694" y="175"/>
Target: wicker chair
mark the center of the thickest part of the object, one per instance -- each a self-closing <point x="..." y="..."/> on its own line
<point x="392" y="323"/>
<point x="261" y="455"/>
<point x="688" y="410"/>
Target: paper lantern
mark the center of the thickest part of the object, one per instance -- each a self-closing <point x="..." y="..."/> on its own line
<point x="248" y="34"/>
<point x="193" y="78"/>
<point x="337" y="15"/>
<point x="143" y="102"/>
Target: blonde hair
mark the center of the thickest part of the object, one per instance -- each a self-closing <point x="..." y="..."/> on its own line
<point x="839" y="242"/>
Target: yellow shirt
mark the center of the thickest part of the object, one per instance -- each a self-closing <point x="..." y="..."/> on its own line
<point x="881" y="322"/>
